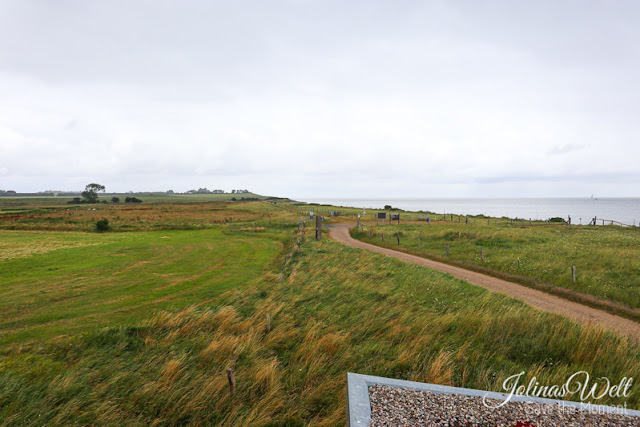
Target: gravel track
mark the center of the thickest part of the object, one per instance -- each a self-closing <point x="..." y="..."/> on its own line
<point x="538" y="299"/>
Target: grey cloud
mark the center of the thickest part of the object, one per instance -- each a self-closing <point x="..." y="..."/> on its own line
<point x="606" y="177"/>
<point x="442" y="98"/>
<point x="566" y="148"/>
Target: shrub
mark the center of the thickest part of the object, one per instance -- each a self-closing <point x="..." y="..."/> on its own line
<point x="102" y="225"/>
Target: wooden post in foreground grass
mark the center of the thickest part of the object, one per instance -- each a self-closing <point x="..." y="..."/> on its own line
<point x="398" y="236"/>
<point x="369" y="233"/>
<point x="482" y="254"/>
<point x="383" y="236"/>
<point x="447" y="249"/>
<point x="231" y="375"/>
<point x="573" y="273"/>
<point x="418" y="242"/>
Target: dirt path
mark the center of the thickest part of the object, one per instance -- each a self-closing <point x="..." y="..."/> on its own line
<point x="533" y="297"/>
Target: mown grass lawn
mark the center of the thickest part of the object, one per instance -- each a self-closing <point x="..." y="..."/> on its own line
<point x="63" y="283"/>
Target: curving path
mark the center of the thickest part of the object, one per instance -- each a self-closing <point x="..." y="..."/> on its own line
<point x="533" y="297"/>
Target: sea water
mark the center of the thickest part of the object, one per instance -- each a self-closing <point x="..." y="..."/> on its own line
<point x="581" y="210"/>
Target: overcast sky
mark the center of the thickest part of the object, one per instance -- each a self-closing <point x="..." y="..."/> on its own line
<point x="322" y="98"/>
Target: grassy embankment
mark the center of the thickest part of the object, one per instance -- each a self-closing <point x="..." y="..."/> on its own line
<point x="337" y="309"/>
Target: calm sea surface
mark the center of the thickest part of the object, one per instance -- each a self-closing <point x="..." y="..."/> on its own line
<point x="625" y="210"/>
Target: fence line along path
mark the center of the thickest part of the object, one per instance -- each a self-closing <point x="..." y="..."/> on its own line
<point x="538" y="299"/>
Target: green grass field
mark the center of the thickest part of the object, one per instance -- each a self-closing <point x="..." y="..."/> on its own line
<point x="139" y="328"/>
<point x="607" y="259"/>
<point x="85" y="281"/>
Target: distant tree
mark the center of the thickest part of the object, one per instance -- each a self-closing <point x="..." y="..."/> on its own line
<point x="170" y="192"/>
<point x="233" y="191"/>
<point x="91" y="191"/>
<point x="115" y="199"/>
<point x="233" y="199"/>
<point x="387" y="207"/>
<point x="75" y="200"/>
<point x="132" y="200"/>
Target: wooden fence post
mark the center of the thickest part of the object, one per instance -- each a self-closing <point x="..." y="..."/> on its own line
<point x="482" y="254"/>
<point x="398" y="236"/>
<point x="231" y="375"/>
<point x="447" y="249"/>
<point x="318" y="227"/>
<point x="418" y="242"/>
<point x="383" y="236"/>
<point x="369" y="233"/>
<point x="573" y="273"/>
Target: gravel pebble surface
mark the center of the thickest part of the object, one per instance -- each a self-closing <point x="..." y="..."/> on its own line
<point x="393" y="406"/>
